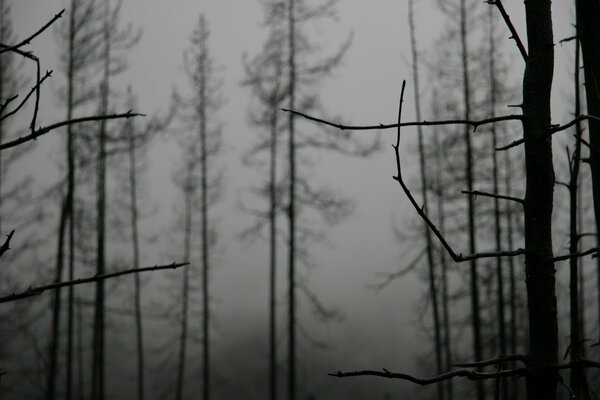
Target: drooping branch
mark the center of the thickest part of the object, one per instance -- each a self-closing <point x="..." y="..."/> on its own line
<point x="474" y="123"/>
<point x="42" y="131"/>
<point x="35" y="291"/>
<point x="6" y="245"/>
<point x="511" y="27"/>
<point x="420" y="210"/>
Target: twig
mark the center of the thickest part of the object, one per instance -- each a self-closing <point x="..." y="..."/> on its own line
<point x="511" y="27"/>
<point x="390" y="276"/>
<point x="40" y="289"/>
<point x="496" y="196"/>
<point x="463" y="373"/>
<point x="474" y="123"/>
<point x="22" y="103"/>
<point x="420" y="210"/>
<point x="46" y="129"/>
<point x="594" y="250"/>
<point x="587" y="144"/>
<point x="553" y="130"/>
<point x="30" y="38"/>
<point x="6" y="245"/>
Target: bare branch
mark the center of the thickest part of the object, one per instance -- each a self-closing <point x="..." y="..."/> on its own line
<point x="474" y="123"/>
<point x="6" y="245"/>
<point x="495" y="196"/>
<point x="553" y="130"/>
<point x="391" y="276"/>
<point x="462" y="373"/>
<point x="42" y="131"/>
<point x="40" y="289"/>
<point x="594" y="251"/>
<point x="511" y="27"/>
<point x="28" y="40"/>
<point x="420" y="210"/>
<point x="31" y="92"/>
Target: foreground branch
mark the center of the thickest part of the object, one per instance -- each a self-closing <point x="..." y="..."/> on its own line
<point x="511" y="27"/>
<point x="474" y="123"/>
<point x="6" y="245"/>
<point x="459" y="373"/>
<point x="40" y="289"/>
<point x="420" y="210"/>
<point x="492" y="195"/>
<point x="28" y="40"/>
<point x="42" y="131"/>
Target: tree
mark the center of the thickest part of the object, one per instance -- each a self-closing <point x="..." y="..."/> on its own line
<point x="202" y="178"/>
<point x="541" y="361"/>
<point x="264" y="76"/>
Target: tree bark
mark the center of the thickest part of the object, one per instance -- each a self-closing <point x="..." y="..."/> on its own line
<point x="542" y="379"/>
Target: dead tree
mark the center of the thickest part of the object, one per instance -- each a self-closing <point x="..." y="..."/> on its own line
<point x="541" y="362"/>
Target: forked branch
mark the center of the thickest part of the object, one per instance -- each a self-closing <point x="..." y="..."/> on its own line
<point x="420" y="210"/>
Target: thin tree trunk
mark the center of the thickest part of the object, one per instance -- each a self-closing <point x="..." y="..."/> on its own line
<point x="433" y="292"/>
<point x="185" y="287"/>
<point x="273" y="257"/>
<point x="501" y="333"/>
<point x="439" y="191"/>
<point x="292" y="205"/>
<point x="578" y="379"/>
<point x="542" y="380"/>
<point x="205" y="230"/>
<point x="476" y="323"/>
<point x="136" y="261"/>
<point x="70" y="198"/>
<point x="56" y="304"/>
<point x="99" y="318"/>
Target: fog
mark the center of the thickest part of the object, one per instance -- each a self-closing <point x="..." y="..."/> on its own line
<point x="379" y="329"/>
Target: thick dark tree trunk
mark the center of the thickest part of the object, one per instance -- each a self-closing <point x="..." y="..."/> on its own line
<point x="542" y="379"/>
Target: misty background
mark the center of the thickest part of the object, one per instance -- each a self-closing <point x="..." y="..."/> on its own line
<point x="379" y="329"/>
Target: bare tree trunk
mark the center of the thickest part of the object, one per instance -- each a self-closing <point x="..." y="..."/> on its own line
<point x="497" y="219"/>
<point x="475" y="308"/>
<point x="136" y="261"/>
<point x="185" y="286"/>
<point x="433" y="292"/>
<point x="98" y="381"/>
<point x="56" y="304"/>
<point x="292" y="207"/>
<point x="70" y="198"/>
<point x="542" y="380"/>
<point x="273" y="256"/>
<point x="205" y="237"/>
<point x="578" y="378"/>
